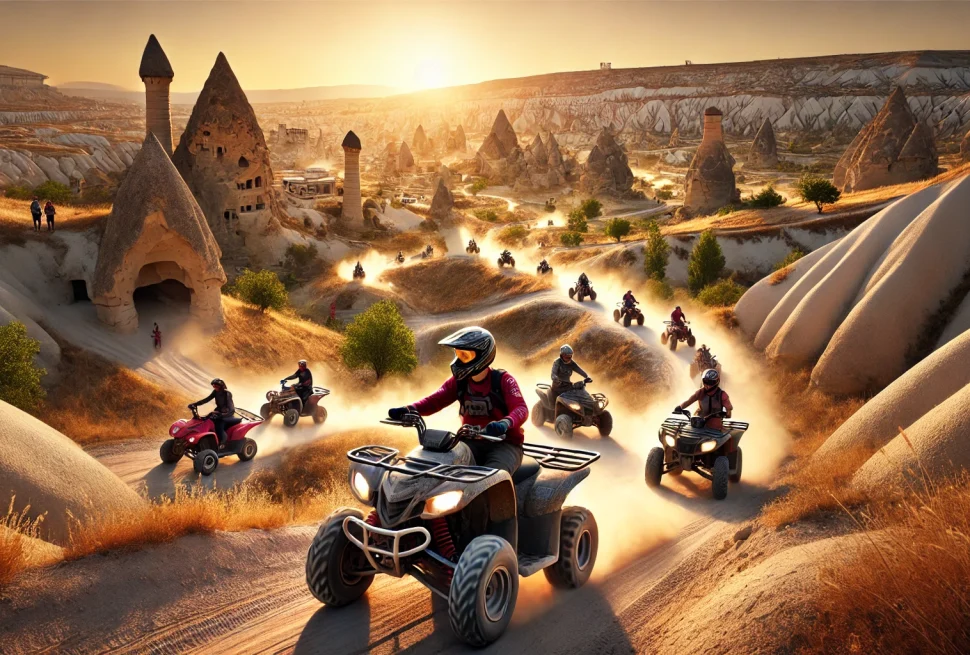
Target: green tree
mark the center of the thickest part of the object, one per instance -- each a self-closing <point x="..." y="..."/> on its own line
<point x="656" y="254"/>
<point x="723" y="293"/>
<point x="577" y="221"/>
<point x="617" y="228"/>
<point x="54" y="191"/>
<point x="478" y="186"/>
<point x="301" y="260"/>
<point x="19" y="376"/>
<point x="817" y="189"/>
<point x="706" y="262"/>
<point x="592" y="208"/>
<point x="766" y="199"/>
<point x="666" y="192"/>
<point x="378" y="339"/>
<point x="261" y="289"/>
<point x="571" y="238"/>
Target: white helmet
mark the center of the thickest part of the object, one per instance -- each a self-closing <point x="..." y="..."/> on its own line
<point x="566" y="350"/>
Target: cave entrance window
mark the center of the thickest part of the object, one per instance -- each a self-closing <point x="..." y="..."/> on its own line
<point x="220" y="152"/>
<point x="259" y="181"/>
<point x="243" y="162"/>
<point x="249" y="184"/>
<point x="79" y="289"/>
<point x="249" y="208"/>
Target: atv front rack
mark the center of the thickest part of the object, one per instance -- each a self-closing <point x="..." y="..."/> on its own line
<point x="390" y="460"/>
<point x="562" y="459"/>
<point x="249" y="416"/>
<point x="681" y="427"/>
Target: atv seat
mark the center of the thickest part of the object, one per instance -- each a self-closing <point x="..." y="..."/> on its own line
<point x="525" y="471"/>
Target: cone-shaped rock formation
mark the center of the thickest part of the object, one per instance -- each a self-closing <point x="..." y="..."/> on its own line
<point x="420" y="142"/>
<point x="710" y="184"/>
<point x="443" y="202"/>
<point x="405" y="160"/>
<point x="606" y="169"/>
<point x="764" y="149"/>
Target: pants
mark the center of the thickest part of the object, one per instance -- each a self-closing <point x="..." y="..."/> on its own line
<point x="304" y="393"/>
<point x="50" y="223"/>
<point x="37" y="222"/>
<point x="555" y="391"/>
<point x="222" y="423"/>
<point x="500" y="455"/>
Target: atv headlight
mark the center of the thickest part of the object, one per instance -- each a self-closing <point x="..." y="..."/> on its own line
<point x="601" y="404"/>
<point x="573" y="405"/>
<point x="269" y="395"/>
<point x="360" y="486"/>
<point x="175" y="430"/>
<point x="442" y="503"/>
<point x="670" y="441"/>
<point x="708" y="446"/>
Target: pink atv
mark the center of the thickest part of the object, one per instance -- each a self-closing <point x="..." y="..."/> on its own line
<point x="196" y="438"/>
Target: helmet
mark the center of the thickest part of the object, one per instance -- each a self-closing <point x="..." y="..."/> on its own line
<point x="711" y="378"/>
<point x="629" y="290"/>
<point x="677" y="307"/>
<point x="218" y="382"/>
<point x="566" y="351"/>
<point x="474" y="351"/>
<point x="302" y="362"/>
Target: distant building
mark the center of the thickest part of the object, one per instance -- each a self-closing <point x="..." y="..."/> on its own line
<point x="291" y="135"/>
<point x="20" y="77"/>
<point x="606" y="65"/>
<point x="309" y="183"/>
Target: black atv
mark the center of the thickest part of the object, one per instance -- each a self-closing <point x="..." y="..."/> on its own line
<point x="690" y="446"/>
<point x="466" y="532"/>
<point x="287" y="402"/>
<point x="676" y="333"/>
<point x="400" y="258"/>
<point x="628" y="314"/>
<point x="543" y="268"/>
<point x="472" y="248"/>
<point x="506" y="258"/>
<point x="428" y="252"/>
<point x="703" y="360"/>
<point x="574" y="408"/>
<point x="358" y="272"/>
<point x="581" y="291"/>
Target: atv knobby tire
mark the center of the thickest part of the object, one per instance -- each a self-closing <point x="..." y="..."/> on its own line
<point x="616" y="315"/>
<point x="736" y="476"/>
<point x="592" y="296"/>
<point x="655" y="467"/>
<point x="605" y="424"/>
<point x="626" y="320"/>
<point x="206" y="462"/>
<point x="327" y="559"/>
<point x="720" y="473"/>
<point x="171" y="451"/>
<point x="483" y="592"/>
<point x="673" y="344"/>
<point x="691" y="341"/>
<point x="572" y="292"/>
<point x="266" y="412"/>
<point x="639" y="319"/>
<point x="291" y="417"/>
<point x="320" y="415"/>
<point x="564" y="426"/>
<point x="578" y="544"/>
<point x="663" y="338"/>
<point x="248" y="451"/>
<point x="538" y="414"/>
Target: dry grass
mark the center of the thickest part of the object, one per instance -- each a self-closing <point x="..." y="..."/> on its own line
<point x="96" y="400"/>
<point x="16" y="225"/>
<point x="16" y="530"/>
<point x="724" y="316"/>
<point x="780" y="275"/>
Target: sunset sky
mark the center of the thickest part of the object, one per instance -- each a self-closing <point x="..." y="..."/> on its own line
<point x="409" y="45"/>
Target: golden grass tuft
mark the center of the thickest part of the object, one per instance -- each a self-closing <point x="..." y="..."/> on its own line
<point x="16" y="528"/>
<point x="780" y="275"/>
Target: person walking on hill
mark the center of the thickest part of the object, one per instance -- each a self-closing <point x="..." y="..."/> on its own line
<point x="157" y="337"/>
<point x="36" y="212"/>
<point x="49" y="211"/>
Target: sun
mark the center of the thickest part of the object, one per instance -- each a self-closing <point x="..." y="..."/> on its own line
<point x="429" y="74"/>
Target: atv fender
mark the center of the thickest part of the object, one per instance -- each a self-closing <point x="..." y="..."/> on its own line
<point x="504" y="496"/>
<point x="241" y="430"/>
<point x="549" y="491"/>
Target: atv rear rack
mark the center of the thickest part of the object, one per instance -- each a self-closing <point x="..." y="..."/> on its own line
<point x="562" y="459"/>
<point x="390" y="460"/>
<point x="249" y="416"/>
<point x="681" y="427"/>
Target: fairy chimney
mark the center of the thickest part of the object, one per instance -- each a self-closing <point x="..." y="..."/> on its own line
<point x="352" y="208"/>
<point x="709" y="184"/>
<point x="157" y="74"/>
<point x="607" y="169"/>
<point x="764" y="149"/>
<point x="443" y="202"/>
<point x="421" y="144"/>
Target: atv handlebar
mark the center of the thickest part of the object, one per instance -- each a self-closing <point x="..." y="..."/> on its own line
<point x="672" y="323"/>
<point x="475" y="432"/>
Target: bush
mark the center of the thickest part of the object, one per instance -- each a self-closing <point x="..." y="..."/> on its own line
<point x="706" y="262"/>
<point x="571" y="238"/>
<point x="790" y="259"/>
<point x="301" y="260"/>
<point x="817" y="189"/>
<point x="478" y="186"/>
<point x="659" y="289"/>
<point x="486" y="215"/>
<point x="617" y="228"/>
<point x="512" y="234"/>
<point x="725" y="210"/>
<point x="577" y="221"/>
<point x="378" y="339"/>
<point x="766" y="199"/>
<point x="723" y="293"/>
<point x="54" y="191"/>
<point x="666" y="192"/>
<point x="19" y="377"/>
<point x="591" y="208"/>
<point x="19" y="193"/>
<point x="261" y="289"/>
<point x="656" y="253"/>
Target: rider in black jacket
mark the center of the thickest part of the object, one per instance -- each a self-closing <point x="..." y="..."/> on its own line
<point x="304" y="378"/>
<point x="224" y="416"/>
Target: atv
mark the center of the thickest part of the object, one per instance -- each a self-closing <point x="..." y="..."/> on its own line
<point x="196" y="438"/>
<point x="400" y="258"/>
<point x="690" y="446"/>
<point x="358" y="272"/>
<point x="674" y="334"/>
<point x="466" y="532"/>
<point x="703" y="360"/>
<point x="427" y="252"/>
<point x="472" y="248"/>
<point x="628" y="314"/>
<point x="581" y="291"/>
<point x="574" y="408"/>
<point x="288" y="403"/>
<point x="543" y="268"/>
<point x="506" y="258"/>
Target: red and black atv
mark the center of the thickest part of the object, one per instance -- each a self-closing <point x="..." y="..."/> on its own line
<point x="196" y="438"/>
<point x="288" y="403"/>
<point x="676" y="333"/>
<point x="581" y="291"/>
<point x="628" y="314"/>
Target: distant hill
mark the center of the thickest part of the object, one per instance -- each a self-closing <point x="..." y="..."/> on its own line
<point x="113" y="93"/>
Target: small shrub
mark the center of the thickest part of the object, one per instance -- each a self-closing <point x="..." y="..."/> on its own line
<point x="19" y="192"/>
<point x="571" y="239"/>
<point x="591" y="208"/>
<point x="790" y="258"/>
<point x="659" y="289"/>
<point x="301" y="260"/>
<point x="666" y="192"/>
<point x="766" y="199"/>
<point x="656" y="254"/>
<point x="19" y="376"/>
<point x="577" y="221"/>
<point x="54" y="191"/>
<point x="478" y="186"/>
<point x="816" y="189"/>
<point x="261" y="289"/>
<point x="723" y="293"/>
<point x="725" y="210"/>
<point x="512" y="234"/>
<point x="617" y="228"/>
<point x="379" y="339"/>
<point x="486" y="215"/>
<point x="706" y="262"/>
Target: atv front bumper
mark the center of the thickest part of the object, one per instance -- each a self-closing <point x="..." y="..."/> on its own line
<point x="385" y="559"/>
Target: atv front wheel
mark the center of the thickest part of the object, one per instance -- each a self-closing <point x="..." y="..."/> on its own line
<point x="248" y="451"/>
<point x="206" y="462"/>
<point x="572" y="292"/>
<point x="655" y="467"/>
<point x="512" y="263"/>
<point x="483" y="592"/>
<point x="578" y="543"/>
<point x="564" y="426"/>
<point x="616" y="315"/>
<point x="736" y="476"/>
<point x="320" y="415"/>
<point x="171" y="451"/>
<point x="291" y="417"/>
<point x="329" y="571"/>
<point x="266" y="412"/>
<point x="592" y="296"/>
<point x="673" y="344"/>
<point x="639" y="319"/>
<point x="605" y="424"/>
<point x="721" y="473"/>
<point x="501" y="264"/>
<point x="663" y="338"/>
<point x="626" y="320"/>
<point x="538" y="414"/>
<point x="691" y="340"/>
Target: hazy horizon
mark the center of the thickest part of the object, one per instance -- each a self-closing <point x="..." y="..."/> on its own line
<point x="411" y="45"/>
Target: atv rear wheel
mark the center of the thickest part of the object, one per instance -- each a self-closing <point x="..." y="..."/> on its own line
<point x="564" y="426"/>
<point x="616" y="315"/>
<point x="626" y="320"/>
<point x="721" y="472"/>
<point x="248" y="451"/>
<point x="512" y="263"/>
<point x="291" y="417"/>
<point x="206" y="462"/>
<point x="572" y="292"/>
<point x="605" y="424"/>
<point x="639" y="319"/>
<point x="663" y="338"/>
<point x="320" y="415"/>
<point x="483" y="592"/>
<point x="691" y="340"/>
<point x="329" y="573"/>
<point x="266" y="412"/>
<point x="736" y="476"/>
<point x="538" y="414"/>
<point x="673" y="344"/>
<point x="171" y="451"/>
<point x="578" y="544"/>
<point x="592" y="296"/>
<point x="655" y="467"/>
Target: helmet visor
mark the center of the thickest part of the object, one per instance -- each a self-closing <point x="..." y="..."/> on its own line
<point x="464" y="356"/>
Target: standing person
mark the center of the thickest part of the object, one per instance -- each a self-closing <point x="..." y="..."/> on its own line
<point x="49" y="211"/>
<point x="36" y="212"/>
<point x="157" y="337"/>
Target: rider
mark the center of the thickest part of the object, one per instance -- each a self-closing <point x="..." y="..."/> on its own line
<point x="358" y="268"/>
<point x="400" y="255"/>
<point x="583" y="280"/>
<point x="711" y="399"/>
<point x="543" y="264"/>
<point x="304" y="385"/>
<point x="628" y="299"/>
<point x="488" y="398"/>
<point x="678" y="318"/>
<point x="224" y="416"/>
<point x="562" y="370"/>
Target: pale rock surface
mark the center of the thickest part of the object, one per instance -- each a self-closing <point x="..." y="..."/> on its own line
<point x="764" y="149"/>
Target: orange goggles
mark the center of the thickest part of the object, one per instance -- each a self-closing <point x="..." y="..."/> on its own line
<point x="465" y="356"/>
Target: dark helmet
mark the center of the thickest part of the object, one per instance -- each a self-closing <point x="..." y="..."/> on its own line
<point x="218" y="382"/>
<point x="301" y="363"/>
<point x="711" y="378"/>
<point x="478" y="346"/>
<point x="677" y="307"/>
<point x="566" y="351"/>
